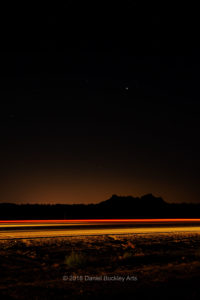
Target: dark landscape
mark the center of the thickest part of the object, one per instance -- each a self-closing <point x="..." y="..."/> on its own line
<point x="146" y="206"/>
<point x="99" y="100"/>
<point x="165" y="266"/>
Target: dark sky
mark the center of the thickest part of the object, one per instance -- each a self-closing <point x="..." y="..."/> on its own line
<point x="99" y="99"/>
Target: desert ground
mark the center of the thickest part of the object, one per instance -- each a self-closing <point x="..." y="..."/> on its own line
<point x="139" y="266"/>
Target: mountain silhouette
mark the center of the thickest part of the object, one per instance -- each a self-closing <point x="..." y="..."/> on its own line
<point x="147" y="206"/>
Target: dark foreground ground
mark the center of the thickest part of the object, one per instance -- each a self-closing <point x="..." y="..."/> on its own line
<point x="159" y="266"/>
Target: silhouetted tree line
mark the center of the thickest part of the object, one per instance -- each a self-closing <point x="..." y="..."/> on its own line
<point x="146" y="206"/>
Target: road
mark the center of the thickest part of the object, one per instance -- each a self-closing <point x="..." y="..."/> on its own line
<point x="59" y="228"/>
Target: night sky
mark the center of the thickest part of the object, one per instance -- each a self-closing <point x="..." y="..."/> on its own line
<point x="99" y="99"/>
